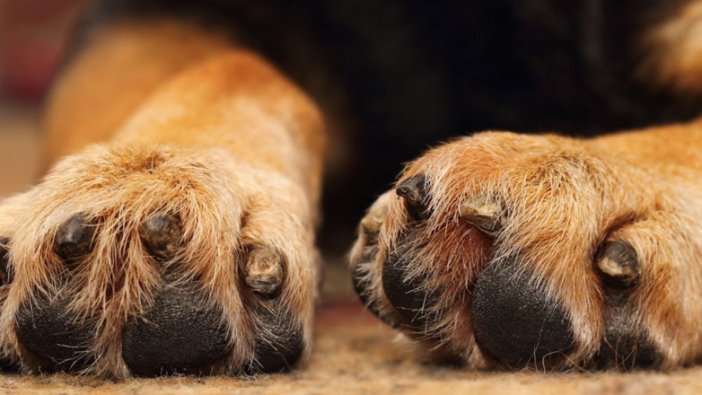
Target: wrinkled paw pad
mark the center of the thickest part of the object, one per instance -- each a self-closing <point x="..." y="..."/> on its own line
<point x="413" y="305"/>
<point x="181" y="330"/>
<point x="181" y="333"/>
<point x="6" y="364"/>
<point x="515" y="320"/>
<point x="626" y="343"/>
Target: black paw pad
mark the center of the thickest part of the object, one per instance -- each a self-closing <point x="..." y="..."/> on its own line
<point x="8" y="365"/>
<point x="361" y="286"/>
<point x="5" y="273"/>
<point x="74" y="238"/>
<point x="280" y="343"/>
<point x="626" y="344"/>
<point x="513" y="320"/>
<point x="48" y="331"/>
<point x="408" y="293"/>
<point x="182" y="333"/>
<point x="415" y="192"/>
<point x="161" y="234"/>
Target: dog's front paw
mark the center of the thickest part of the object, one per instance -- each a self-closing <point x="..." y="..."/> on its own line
<point x="147" y="260"/>
<point x="509" y="250"/>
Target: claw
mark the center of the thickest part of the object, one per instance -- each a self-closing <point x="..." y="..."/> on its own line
<point x="264" y="272"/>
<point x="74" y="238"/>
<point x="161" y="234"/>
<point x="414" y="192"/>
<point x="484" y="214"/>
<point x="618" y="264"/>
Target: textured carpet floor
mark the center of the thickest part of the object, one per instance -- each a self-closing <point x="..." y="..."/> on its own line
<point x="354" y="354"/>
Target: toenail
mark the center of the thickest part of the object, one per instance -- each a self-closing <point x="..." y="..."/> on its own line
<point x="74" y="238"/>
<point x="414" y="192"/>
<point x="618" y="264"/>
<point x="5" y="275"/>
<point x="161" y="234"/>
<point x="483" y="213"/>
<point x="514" y="321"/>
<point x="264" y="271"/>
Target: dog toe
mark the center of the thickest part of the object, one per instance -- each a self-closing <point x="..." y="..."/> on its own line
<point x="161" y="233"/>
<point x="74" y="238"/>
<point x="531" y="251"/>
<point x="193" y="263"/>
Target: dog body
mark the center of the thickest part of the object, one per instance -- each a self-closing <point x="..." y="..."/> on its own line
<point x="192" y="220"/>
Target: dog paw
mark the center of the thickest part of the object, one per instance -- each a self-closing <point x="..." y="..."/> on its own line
<point x="148" y="260"/>
<point x="513" y="251"/>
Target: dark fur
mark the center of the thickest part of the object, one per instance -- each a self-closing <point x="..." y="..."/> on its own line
<point x="407" y="74"/>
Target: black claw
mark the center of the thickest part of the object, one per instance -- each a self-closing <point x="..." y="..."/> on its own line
<point x="74" y="238"/>
<point x="618" y="265"/>
<point x="414" y="191"/>
<point x="5" y="274"/>
<point x="161" y="234"/>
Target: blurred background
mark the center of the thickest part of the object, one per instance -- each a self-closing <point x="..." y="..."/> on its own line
<point x="408" y="74"/>
<point x="32" y="35"/>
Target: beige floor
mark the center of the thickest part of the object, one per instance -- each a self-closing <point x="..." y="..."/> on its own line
<point x="354" y="353"/>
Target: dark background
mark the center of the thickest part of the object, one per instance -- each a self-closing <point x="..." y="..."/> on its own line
<point x="396" y="77"/>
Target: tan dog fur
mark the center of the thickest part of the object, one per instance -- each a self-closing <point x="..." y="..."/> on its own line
<point x="195" y="126"/>
<point x="565" y="197"/>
